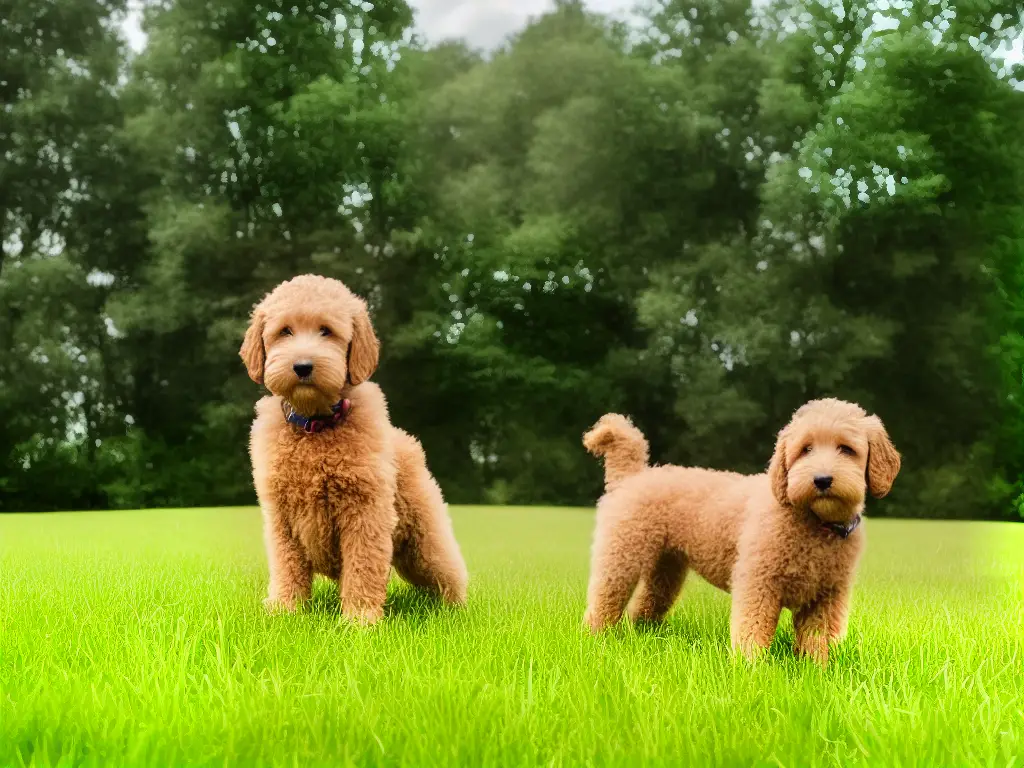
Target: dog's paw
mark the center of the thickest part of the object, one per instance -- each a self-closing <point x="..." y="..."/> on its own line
<point x="594" y="623"/>
<point x="812" y="643"/>
<point x="275" y="605"/>
<point x="749" y="652"/>
<point x="816" y="652"/>
<point x="363" y="617"/>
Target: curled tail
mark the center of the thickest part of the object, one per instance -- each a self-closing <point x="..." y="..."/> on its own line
<point x="622" y="445"/>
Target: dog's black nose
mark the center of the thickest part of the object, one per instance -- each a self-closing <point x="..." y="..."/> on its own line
<point x="302" y="370"/>
<point x="823" y="482"/>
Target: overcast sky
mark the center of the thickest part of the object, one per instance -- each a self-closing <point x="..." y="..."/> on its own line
<point x="483" y="23"/>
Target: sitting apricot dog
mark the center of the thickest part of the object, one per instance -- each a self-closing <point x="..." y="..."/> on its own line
<point x="343" y="492"/>
<point x="785" y="539"/>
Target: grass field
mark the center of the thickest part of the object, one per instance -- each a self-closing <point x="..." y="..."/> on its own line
<point x="138" y="638"/>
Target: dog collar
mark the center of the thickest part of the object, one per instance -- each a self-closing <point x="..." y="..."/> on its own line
<point x="313" y="424"/>
<point x="842" y="530"/>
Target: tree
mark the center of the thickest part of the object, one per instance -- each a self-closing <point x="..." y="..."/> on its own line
<point x="871" y="271"/>
<point x="262" y="128"/>
<point x="702" y="225"/>
<point x="58" y="87"/>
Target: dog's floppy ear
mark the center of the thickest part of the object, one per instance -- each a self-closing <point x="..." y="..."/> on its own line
<point x="778" y="472"/>
<point x="252" y="352"/>
<point x="364" y="351"/>
<point x="883" y="459"/>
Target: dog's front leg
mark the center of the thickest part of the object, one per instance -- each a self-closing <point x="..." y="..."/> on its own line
<point x="821" y="624"/>
<point x="291" y="574"/>
<point x="366" y="551"/>
<point x="756" y="606"/>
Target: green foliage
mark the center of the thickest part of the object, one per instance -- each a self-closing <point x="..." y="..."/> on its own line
<point x="703" y="221"/>
<point x="60" y="113"/>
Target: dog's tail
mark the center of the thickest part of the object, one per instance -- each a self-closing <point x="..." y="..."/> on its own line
<point x="621" y="444"/>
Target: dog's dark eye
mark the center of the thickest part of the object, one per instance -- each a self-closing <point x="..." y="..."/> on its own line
<point x="286" y="331"/>
<point x="806" y="449"/>
<point x="845" y="449"/>
<point x="325" y="331"/>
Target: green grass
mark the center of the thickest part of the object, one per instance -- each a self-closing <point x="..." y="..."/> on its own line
<point x="139" y="639"/>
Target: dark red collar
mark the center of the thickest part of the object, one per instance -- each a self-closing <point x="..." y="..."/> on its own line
<point x="313" y="424"/>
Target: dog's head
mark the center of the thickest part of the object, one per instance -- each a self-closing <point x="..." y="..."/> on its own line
<point x="307" y="340"/>
<point x="829" y="456"/>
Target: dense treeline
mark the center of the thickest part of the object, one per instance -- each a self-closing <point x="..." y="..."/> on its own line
<point x="702" y="221"/>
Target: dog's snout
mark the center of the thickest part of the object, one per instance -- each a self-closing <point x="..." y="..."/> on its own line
<point x="823" y="482"/>
<point x="303" y="369"/>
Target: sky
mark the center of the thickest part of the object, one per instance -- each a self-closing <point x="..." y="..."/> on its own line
<point x="483" y="23"/>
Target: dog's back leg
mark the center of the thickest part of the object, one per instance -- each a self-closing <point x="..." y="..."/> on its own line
<point x="623" y="551"/>
<point x="659" y="589"/>
<point x="426" y="552"/>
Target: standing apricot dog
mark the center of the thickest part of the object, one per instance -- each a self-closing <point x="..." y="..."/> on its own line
<point x="343" y="492"/>
<point x="788" y="538"/>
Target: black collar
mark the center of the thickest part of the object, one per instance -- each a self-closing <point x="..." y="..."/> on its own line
<point x="842" y="530"/>
<point x="313" y="424"/>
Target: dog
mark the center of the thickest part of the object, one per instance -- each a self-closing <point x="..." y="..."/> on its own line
<point x="343" y="493"/>
<point x="788" y="538"/>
